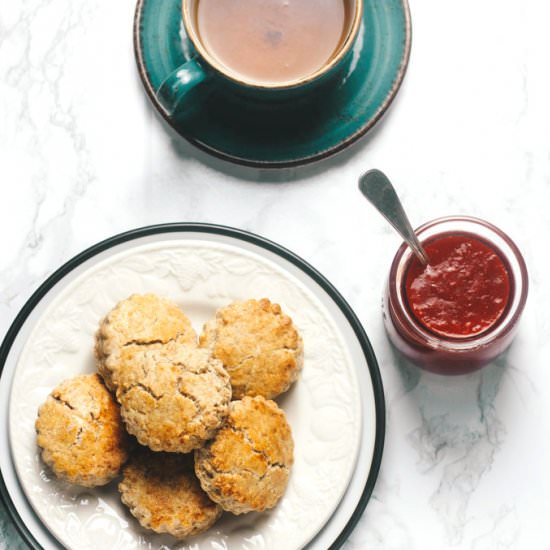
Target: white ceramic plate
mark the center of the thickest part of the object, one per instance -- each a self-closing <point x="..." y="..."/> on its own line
<point x="200" y="268"/>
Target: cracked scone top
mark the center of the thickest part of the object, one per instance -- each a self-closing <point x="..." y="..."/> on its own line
<point x="80" y="432"/>
<point x="258" y="345"/>
<point x="246" y="466"/>
<point x="140" y="321"/>
<point x="163" y="493"/>
<point x="172" y="398"/>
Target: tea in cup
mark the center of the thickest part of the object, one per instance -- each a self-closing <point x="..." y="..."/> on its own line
<point x="263" y="45"/>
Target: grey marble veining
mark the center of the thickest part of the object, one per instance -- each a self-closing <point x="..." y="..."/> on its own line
<point x="83" y="157"/>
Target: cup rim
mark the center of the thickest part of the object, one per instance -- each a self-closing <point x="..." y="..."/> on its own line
<point x="496" y="239"/>
<point x="218" y="67"/>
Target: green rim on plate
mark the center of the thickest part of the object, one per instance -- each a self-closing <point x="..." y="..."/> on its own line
<point x="289" y="133"/>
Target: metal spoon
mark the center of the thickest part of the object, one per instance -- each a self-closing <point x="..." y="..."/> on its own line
<point x="379" y="191"/>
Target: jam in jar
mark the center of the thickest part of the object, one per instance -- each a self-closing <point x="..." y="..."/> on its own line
<point x="460" y="311"/>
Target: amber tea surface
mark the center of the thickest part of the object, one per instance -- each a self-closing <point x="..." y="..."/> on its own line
<point x="272" y="42"/>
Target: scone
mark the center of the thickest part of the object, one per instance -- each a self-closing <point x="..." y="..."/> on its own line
<point x="80" y="432"/>
<point x="246" y="466"/>
<point x="172" y="398"/>
<point x="162" y="492"/>
<point x="258" y="345"/>
<point x="140" y="321"/>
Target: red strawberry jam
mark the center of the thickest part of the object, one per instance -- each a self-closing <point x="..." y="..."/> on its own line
<point x="463" y="291"/>
<point x="462" y="310"/>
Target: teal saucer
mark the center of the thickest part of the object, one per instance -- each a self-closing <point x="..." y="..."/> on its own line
<point x="278" y="134"/>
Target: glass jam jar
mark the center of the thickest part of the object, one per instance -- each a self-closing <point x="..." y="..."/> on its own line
<point x="431" y="341"/>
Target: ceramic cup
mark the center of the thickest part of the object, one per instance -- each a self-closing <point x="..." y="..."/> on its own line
<point x="204" y="66"/>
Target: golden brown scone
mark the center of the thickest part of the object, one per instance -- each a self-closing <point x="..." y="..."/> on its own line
<point x="162" y="492"/>
<point x="142" y="320"/>
<point x="258" y="345"/>
<point x="246" y="466"/>
<point x="80" y="432"/>
<point x="172" y="398"/>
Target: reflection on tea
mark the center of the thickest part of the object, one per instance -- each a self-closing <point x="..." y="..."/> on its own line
<point x="272" y="42"/>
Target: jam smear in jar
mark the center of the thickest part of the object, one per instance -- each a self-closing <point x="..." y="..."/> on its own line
<point x="462" y="311"/>
<point x="464" y="290"/>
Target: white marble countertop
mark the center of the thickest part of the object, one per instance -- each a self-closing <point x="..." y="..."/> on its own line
<point x="84" y="156"/>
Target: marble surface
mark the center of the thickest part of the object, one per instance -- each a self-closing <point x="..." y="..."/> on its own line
<point x="83" y="156"/>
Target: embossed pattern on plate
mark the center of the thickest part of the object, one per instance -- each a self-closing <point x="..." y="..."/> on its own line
<point x="323" y="408"/>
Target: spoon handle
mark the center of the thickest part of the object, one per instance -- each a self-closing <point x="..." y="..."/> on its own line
<point x="379" y="191"/>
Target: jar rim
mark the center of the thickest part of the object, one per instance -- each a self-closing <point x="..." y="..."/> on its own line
<point x="404" y="319"/>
